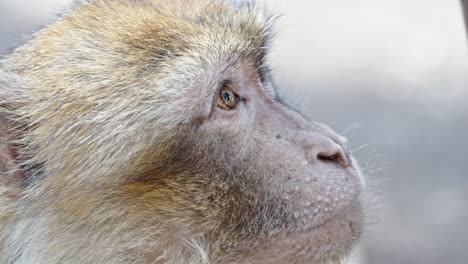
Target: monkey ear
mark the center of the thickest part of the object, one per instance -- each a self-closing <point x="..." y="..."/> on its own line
<point x="10" y="172"/>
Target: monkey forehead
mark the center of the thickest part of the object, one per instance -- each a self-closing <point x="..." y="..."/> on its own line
<point x="114" y="39"/>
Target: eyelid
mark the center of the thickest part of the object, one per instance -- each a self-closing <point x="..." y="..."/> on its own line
<point x="216" y="94"/>
<point x="218" y="90"/>
<point x="226" y="84"/>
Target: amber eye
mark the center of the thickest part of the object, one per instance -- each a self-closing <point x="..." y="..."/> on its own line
<point x="227" y="99"/>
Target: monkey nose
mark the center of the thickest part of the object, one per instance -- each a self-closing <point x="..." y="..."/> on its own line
<point x="326" y="150"/>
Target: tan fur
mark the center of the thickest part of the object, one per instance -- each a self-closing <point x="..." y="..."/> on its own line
<point x="117" y="160"/>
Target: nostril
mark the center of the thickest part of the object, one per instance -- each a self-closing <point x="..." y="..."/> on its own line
<point x="321" y="148"/>
<point x="337" y="157"/>
<point x="324" y="157"/>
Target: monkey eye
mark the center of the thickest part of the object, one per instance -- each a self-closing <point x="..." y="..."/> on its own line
<point x="227" y="99"/>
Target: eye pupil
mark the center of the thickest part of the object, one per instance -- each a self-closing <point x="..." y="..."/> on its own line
<point x="227" y="96"/>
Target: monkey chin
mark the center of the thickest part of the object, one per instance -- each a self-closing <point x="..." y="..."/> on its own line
<point x="327" y="242"/>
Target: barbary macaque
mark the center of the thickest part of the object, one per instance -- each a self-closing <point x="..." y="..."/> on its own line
<point x="149" y="131"/>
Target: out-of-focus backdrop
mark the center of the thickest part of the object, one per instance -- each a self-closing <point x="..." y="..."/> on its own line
<point x="392" y="76"/>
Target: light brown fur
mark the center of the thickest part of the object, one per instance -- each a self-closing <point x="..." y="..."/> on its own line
<point x="106" y="114"/>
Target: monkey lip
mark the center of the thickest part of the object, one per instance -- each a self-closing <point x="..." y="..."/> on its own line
<point x="347" y="220"/>
<point x="331" y="239"/>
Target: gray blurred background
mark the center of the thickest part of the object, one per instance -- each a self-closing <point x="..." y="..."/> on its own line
<point x="392" y="75"/>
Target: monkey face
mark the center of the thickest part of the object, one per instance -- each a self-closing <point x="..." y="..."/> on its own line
<point x="154" y="135"/>
<point x="281" y="185"/>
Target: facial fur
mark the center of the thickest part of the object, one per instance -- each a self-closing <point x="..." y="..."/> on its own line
<point x="115" y="150"/>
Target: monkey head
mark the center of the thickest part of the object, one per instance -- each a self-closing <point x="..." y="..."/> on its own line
<point x="154" y="134"/>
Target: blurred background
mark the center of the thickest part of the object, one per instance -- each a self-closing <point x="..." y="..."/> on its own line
<point x="392" y="75"/>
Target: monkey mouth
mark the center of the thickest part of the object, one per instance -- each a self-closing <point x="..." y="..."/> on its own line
<point x="348" y="206"/>
<point x="352" y="212"/>
<point x="333" y="236"/>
